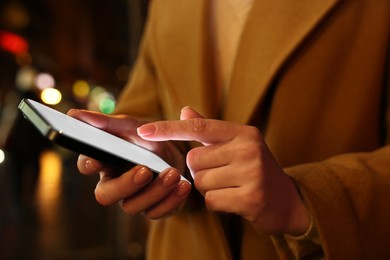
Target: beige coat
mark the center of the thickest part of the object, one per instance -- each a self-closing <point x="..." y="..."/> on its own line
<point x="312" y="76"/>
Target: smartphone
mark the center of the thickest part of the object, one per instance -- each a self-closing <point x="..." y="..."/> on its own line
<point x="86" y="139"/>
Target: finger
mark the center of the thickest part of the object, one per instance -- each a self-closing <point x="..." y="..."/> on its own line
<point x="188" y="113"/>
<point x="88" y="166"/>
<point x="218" y="178"/>
<point x="208" y="157"/>
<point x="195" y="129"/>
<point x="116" y="125"/>
<point x="111" y="190"/>
<point x="154" y="193"/>
<point x="171" y="202"/>
<point x="225" y="200"/>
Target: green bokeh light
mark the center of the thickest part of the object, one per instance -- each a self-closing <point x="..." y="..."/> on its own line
<point x="107" y="105"/>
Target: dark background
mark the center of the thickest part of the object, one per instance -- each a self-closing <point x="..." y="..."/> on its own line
<point x="47" y="209"/>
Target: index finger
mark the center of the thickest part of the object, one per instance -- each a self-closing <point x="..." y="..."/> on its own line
<point x="196" y="129"/>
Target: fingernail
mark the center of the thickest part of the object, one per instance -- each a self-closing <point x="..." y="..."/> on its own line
<point x="184" y="189"/>
<point x="142" y="176"/>
<point x="146" y="130"/>
<point x="70" y="111"/>
<point x="170" y="178"/>
<point x="89" y="165"/>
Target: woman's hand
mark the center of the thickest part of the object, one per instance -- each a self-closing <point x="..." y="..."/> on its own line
<point x="236" y="172"/>
<point x="135" y="189"/>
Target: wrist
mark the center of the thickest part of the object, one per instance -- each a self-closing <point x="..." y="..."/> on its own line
<point x="300" y="218"/>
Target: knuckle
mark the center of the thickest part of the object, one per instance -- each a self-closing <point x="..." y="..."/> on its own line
<point x="129" y="210"/>
<point x="198" y="125"/>
<point x="198" y="182"/>
<point x="101" y="196"/>
<point x="252" y="151"/>
<point x="252" y="132"/>
<point x="209" y="201"/>
<point x="193" y="158"/>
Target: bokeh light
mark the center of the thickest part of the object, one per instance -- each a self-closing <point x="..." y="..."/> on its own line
<point x="101" y="100"/>
<point x="15" y="16"/>
<point x="13" y="43"/>
<point x="51" y="96"/>
<point x="81" y="89"/>
<point x="44" y="81"/>
<point x="25" y="77"/>
<point x="107" y="104"/>
<point x="96" y="92"/>
<point x="2" y="156"/>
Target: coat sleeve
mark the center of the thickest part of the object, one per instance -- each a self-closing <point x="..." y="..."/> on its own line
<point x="349" y="198"/>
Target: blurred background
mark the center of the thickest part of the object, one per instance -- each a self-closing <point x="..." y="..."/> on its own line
<point x="64" y="53"/>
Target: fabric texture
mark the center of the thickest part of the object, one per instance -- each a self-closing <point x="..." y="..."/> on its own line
<point x="311" y="75"/>
<point x="228" y="19"/>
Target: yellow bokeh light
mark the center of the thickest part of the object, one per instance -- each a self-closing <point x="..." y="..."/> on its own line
<point x="51" y="96"/>
<point x="2" y="156"/>
<point x="48" y="186"/>
<point x="81" y="89"/>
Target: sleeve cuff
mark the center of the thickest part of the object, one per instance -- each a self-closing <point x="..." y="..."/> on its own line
<point x="307" y="244"/>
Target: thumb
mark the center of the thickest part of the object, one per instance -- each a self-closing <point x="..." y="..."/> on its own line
<point x="117" y="125"/>
<point x="189" y="113"/>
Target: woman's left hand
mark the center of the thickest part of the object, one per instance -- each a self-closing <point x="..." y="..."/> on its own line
<point x="235" y="172"/>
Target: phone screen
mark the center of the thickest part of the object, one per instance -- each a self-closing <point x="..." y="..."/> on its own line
<point x="85" y="139"/>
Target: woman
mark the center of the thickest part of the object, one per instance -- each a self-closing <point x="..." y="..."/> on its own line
<point x="297" y="164"/>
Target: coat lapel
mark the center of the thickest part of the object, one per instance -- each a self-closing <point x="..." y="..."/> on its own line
<point x="190" y="71"/>
<point x="274" y="30"/>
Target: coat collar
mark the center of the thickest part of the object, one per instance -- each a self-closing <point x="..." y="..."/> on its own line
<point x="273" y="31"/>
